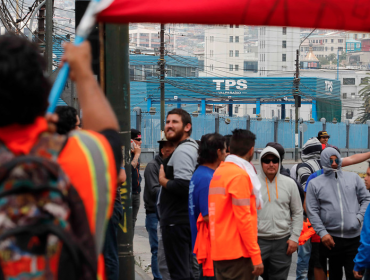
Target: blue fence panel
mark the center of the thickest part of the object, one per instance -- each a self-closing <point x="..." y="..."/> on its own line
<point x="358" y="136"/>
<point x="235" y="122"/>
<point x="264" y="131"/>
<point x="202" y="125"/>
<point x="286" y="134"/>
<point x="312" y="131"/>
<point x="337" y="132"/>
<point x="133" y="119"/>
<point x="150" y="130"/>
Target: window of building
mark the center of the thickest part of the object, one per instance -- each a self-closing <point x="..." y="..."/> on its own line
<point x="349" y="114"/>
<point x="332" y="40"/>
<point x="236" y="53"/>
<point x="332" y="48"/>
<point x="284" y="57"/>
<point x="236" y="39"/>
<point x="353" y="95"/>
<point x="284" y="44"/>
<point x="349" y="81"/>
<point x="231" y="39"/>
<point x="231" y="67"/>
<point x="231" y="53"/>
<point x="236" y="26"/>
<point x="212" y="39"/>
<point x="236" y="110"/>
<point x="326" y="40"/>
<point x="284" y="30"/>
<point x="211" y="67"/>
<point x="236" y="67"/>
<point x="358" y="45"/>
<point x="211" y="53"/>
<point x="363" y="35"/>
<point x="364" y="81"/>
<point x="344" y="95"/>
<point x="231" y="26"/>
<point x="301" y="49"/>
<point x="355" y="36"/>
<point x="326" y="49"/>
<point x="340" y="40"/>
<point x="254" y="110"/>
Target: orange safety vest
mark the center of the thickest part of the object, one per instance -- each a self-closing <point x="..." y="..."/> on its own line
<point x="233" y="215"/>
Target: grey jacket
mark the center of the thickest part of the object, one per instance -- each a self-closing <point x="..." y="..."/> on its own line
<point x="282" y="213"/>
<point x="337" y="200"/>
<point x="152" y="186"/>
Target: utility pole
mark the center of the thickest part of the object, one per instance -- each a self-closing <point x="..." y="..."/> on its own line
<point x="338" y="64"/>
<point x="41" y="27"/>
<point x="161" y="64"/>
<point x="297" y="103"/>
<point x="49" y="36"/>
<point x="117" y="85"/>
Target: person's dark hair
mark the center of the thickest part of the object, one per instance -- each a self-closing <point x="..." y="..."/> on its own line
<point x="185" y="117"/>
<point x="209" y="144"/>
<point x="24" y="88"/>
<point x="228" y="139"/>
<point x="369" y="163"/>
<point x="67" y="119"/>
<point x="241" y="142"/>
<point x="278" y="147"/>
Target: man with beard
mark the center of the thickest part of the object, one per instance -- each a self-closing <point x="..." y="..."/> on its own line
<point x="175" y="177"/>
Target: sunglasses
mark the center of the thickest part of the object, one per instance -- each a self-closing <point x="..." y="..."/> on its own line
<point x="267" y="160"/>
<point x="336" y="161"/>
<point x="137" y="139"/>
<point x="325" y="137"/>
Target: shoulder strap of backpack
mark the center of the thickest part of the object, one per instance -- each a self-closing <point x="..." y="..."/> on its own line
<point x="49" y="146"/>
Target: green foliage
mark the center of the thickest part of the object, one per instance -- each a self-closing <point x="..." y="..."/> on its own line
<point x="365" y="94"/>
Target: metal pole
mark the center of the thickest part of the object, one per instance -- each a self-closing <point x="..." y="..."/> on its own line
<point x="118" y="93"/>
<point x="41" y="27"/>
<point x="49" y="36"/>
<point x="297" y="104"/>
<point x="275" y="129"/>
<point x="161" y="63"/>
<point x="338" y="64"/>
<point x="217" y="123"/>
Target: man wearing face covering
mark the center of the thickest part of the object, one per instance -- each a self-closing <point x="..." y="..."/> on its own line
<point x="336" y="203"/>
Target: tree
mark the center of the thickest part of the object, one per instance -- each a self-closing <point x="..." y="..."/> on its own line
<point x="365" y="94"/>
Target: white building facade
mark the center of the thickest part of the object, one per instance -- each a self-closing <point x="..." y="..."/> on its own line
<point x="277" y="49"/>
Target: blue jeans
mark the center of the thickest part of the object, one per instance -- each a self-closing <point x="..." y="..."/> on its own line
<point x="110" y="250"/>
<point x="151" y="224"/>
<point x="304" y="254"/>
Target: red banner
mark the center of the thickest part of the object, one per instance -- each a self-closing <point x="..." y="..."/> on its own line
<point x="327" y="14"/>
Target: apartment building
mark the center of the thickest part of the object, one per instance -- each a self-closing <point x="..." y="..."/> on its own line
<point x="324" y="45"/>
<point x="277" y="49"/>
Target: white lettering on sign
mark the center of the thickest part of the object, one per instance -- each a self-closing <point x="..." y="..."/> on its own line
<point x="229" y="83"/>
<point x="329" y="86"/>
<point x="242" y="84"/>
<point x="218" y="83"/>
<point x="239" y="84"/>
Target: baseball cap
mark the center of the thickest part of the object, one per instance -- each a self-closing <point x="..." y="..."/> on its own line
<point x="322" y="133"/>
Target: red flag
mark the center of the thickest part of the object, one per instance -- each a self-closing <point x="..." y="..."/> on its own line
<point x="330" y="14"/>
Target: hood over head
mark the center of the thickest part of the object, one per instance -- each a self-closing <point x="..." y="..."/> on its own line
<point x="311" y="149"/>
<point x="266" y="151"/>
<point x="325" y="160"/>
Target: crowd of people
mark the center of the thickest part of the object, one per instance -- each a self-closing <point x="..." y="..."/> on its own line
<point x="209" y="213"/>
